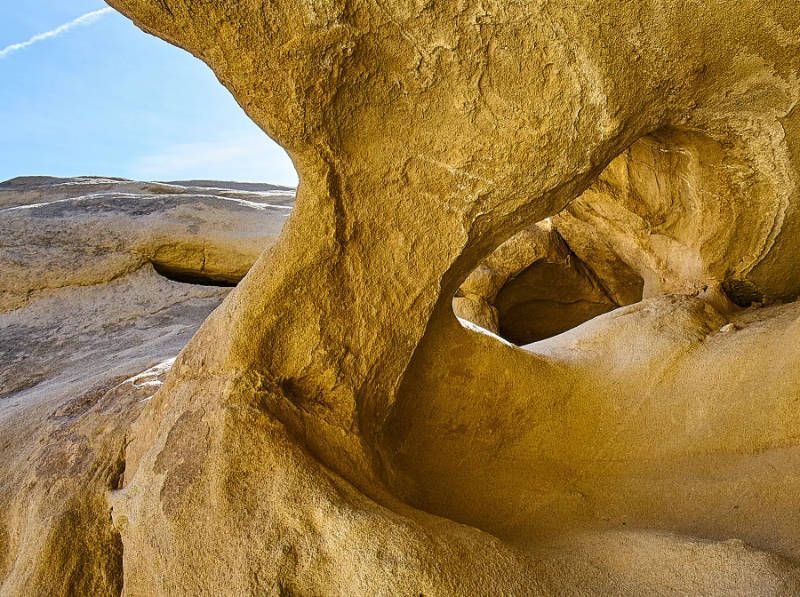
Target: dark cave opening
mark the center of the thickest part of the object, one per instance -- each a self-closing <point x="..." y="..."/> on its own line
<point x="192" y="277"/>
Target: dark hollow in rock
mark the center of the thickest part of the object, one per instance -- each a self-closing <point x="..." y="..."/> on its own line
<point x="193" y="277"/>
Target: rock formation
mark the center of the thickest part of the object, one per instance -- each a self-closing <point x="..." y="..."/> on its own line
<point x="84" y="232"/>
<point x="533" y="286"/>
<point x="88" y="329"/>
<point x="332" y="429"/>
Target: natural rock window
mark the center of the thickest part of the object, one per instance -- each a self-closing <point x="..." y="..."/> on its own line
<point x="534" y="287"/>
<point x="662" y="218"/>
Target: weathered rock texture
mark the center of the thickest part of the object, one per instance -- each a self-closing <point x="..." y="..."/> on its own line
<point x="533" y="286"/>
<point x="332" y="429"/>
<point x="80" y="232"/>
<point x="88" y="328"/>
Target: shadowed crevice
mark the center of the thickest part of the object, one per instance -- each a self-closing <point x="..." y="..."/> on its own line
<point x="193" y="277"/>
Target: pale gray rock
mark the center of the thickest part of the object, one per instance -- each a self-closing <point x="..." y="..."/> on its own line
<point x="94" y="307"/>
<point x="58" y="233"/>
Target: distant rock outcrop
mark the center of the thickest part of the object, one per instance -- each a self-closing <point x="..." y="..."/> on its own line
<point x="80" y="232"/>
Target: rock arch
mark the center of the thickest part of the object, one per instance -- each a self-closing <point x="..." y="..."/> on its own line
<point x="424" y="136"/>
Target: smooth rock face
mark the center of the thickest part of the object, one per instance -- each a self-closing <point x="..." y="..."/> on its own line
<point x="332" y="429"/>
<point x="80" y="232"/>
<point x="687" y="211"/>
<point x="88" y="330"/>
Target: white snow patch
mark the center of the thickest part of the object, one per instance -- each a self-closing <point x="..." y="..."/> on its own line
<point x="74" y="200"/>
<point x="154" y="371"/>
<point x="270" y="193"/>
<point x="88" y="181"/>
<point x="36" y="205"/>
<point x="465" y="323"/>
<point x="253" y="204"/>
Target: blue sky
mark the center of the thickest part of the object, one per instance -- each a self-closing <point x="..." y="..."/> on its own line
<point x="104" y="98"/>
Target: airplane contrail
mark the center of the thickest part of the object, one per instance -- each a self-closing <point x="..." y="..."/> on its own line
<point x="86" y="19"/>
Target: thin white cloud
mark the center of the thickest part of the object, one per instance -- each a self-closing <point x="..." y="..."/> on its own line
<point x="250" y="156"/>
<point x="86" y="19"/>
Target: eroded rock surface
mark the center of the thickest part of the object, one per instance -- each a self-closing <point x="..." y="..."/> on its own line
<point x="332" y="429"/>
<point x="533" y="286"/>
<point x="88" y="329"/>
<point x="58" y="233"/>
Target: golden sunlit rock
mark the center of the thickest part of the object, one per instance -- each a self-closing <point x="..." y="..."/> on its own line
<point x="332" y="429"/>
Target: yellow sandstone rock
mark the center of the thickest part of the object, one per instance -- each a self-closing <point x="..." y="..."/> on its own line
<point x="332" y="429"/>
